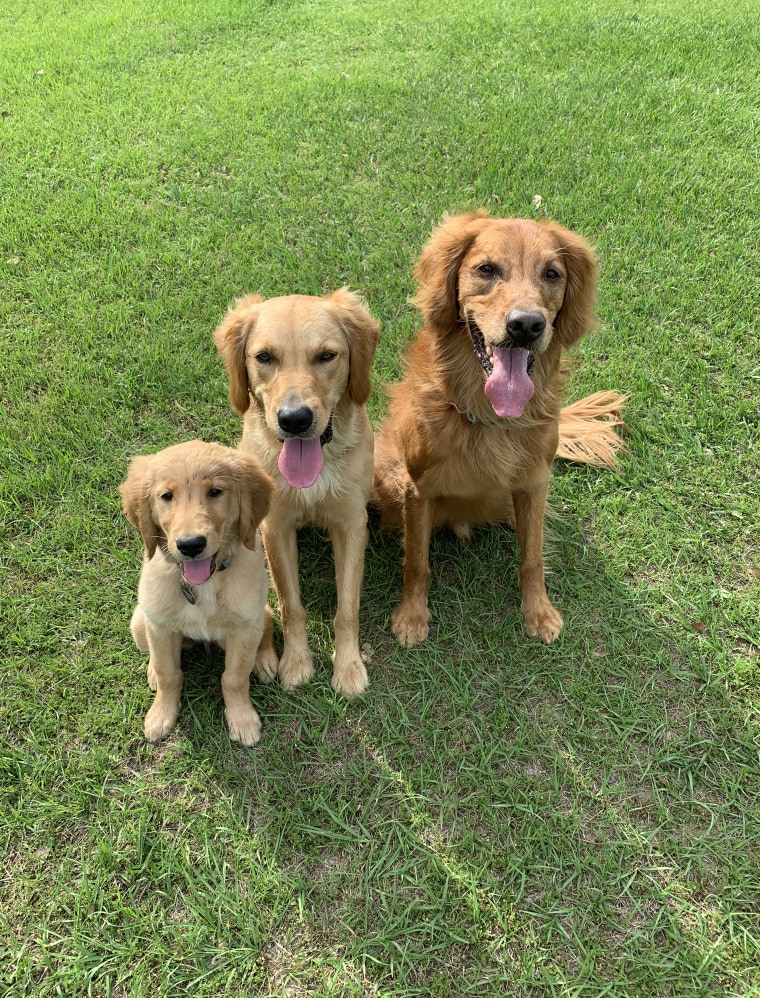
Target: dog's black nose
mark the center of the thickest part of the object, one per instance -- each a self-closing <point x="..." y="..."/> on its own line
<point x="295" y="419"/>
<point x="524" y="327"/>
<point x="191" y="545"/>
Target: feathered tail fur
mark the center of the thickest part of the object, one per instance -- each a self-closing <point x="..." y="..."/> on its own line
<point x="587" y="429"/>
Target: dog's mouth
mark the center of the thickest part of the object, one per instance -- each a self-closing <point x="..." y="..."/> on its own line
<point x="196" y="572"/>
<point x="301" y="461"/>
<point x="509" y="386"/>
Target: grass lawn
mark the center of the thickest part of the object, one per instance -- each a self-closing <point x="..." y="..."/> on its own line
<point x="495" y="817"/>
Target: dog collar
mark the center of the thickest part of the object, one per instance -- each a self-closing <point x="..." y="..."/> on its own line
<point x="471" y="418"/>
<point x="184" y="585"/>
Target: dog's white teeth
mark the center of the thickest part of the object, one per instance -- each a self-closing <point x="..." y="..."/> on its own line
<point x="489" y="350"/>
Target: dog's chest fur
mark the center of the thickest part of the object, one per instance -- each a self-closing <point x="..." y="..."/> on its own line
<point x="228" y="598"/>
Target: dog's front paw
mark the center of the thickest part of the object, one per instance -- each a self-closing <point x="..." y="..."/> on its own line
<point x="543" y="622"/>
<point x="266" y="666"/>
<point x="295" y="669"/>
<point x="349" y="676"/>
<point x="410" y="623"/>
<point x="244" y="724"/>
<point x="160" y="719"/>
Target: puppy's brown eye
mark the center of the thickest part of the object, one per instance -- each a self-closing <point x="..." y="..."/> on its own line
<point x="327" y="355"/>
<point x="263" y="357"/>
<point x="552" y="274"/>
<point x="213" y="493"/>
<point x="167" y="496"/>
<point x="486" y="270"/>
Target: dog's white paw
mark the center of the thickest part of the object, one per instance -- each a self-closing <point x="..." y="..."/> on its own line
<point x="266" y="666"/>
<point x="350" y="676"/>
<point x="160" y="719"/>
<point x="244" y="725"/>
<point x="295" y="668"/>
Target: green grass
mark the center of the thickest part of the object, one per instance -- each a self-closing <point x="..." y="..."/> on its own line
<point x="495" y="817"/>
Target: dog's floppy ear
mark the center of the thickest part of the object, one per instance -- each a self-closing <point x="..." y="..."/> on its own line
<point x="362" y="333"/>
<point x="576" y="316"/>
<point x="135" y="501"/>
<point x="255" y="492"/>
<point x="230" y="338"/>
<point x="438" y="267"/>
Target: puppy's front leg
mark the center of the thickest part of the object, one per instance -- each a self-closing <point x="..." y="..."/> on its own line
<point x="164" y="667"/>
<point x="242" y="720"/>
<point x="541" y="618"/>
<point x="349" y="543"/>
<point x="280" y="543"/>
<point x="410" y="621"/>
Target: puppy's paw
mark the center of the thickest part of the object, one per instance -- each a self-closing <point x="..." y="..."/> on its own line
<point x="349" y="676"/>
<point x="244" y="724"/>
<point x="410" y="624"/>
<point x="266" y="666"/>
<point x="296" y="668"/>
<point x="152" y="677"/>
<point x="543" y="622"/>
<point x="160" y="719"/>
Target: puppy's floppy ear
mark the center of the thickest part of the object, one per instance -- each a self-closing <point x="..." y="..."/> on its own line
<point x="230" y="338"/>
<point x="438" y="267"/>
<point x="255" y="492"/>
<point x="362" y="333"/>
<point x="576" y="316"/>
<point x="135" y="501"/>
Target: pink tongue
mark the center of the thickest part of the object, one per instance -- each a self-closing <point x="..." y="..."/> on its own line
<point x="197" y="572"/>
<point x="509" y="387"/>
<point x="301" y="461"/>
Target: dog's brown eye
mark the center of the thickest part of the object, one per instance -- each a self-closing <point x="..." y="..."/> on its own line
<point x="327" y="355"/>
<point x="213" y="493"/>
<point x="486" y="269"/>
<point x="167" y="496"/>
<point x="263" y="357"/>
<point x="552" y="274"/>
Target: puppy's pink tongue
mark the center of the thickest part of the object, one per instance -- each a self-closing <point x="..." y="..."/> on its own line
<point x="301" y="461"/>
<point x="197" y="572"/>
<point x="509" y="387"/>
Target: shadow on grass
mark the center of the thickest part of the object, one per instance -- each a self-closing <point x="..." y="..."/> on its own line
<point x="499" y="812"/>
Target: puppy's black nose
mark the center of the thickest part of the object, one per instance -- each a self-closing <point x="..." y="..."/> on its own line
<point x="191" y="545"/>
<point x="295" y="419"/>
<point x="524" y="327"/>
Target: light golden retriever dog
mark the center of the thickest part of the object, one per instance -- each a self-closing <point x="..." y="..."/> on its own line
<point x="474" y="426"/>
<point x="198" y="506"/>
<point x="299" y="374"/>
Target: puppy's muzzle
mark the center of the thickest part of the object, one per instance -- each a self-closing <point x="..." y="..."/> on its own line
<point x="295" y="420"/>
<point x="524" y="327"/>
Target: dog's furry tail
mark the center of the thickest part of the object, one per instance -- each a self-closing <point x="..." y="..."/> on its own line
<point x="587" y="429"/>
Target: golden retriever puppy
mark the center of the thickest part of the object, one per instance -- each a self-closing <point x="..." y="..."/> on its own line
<point x="198" y="506"/>
<point x="473" y="428"/>
<point x="299" y="374"/>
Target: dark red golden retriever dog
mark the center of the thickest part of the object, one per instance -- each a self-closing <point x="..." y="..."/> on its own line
<point x="474" y="426"/>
